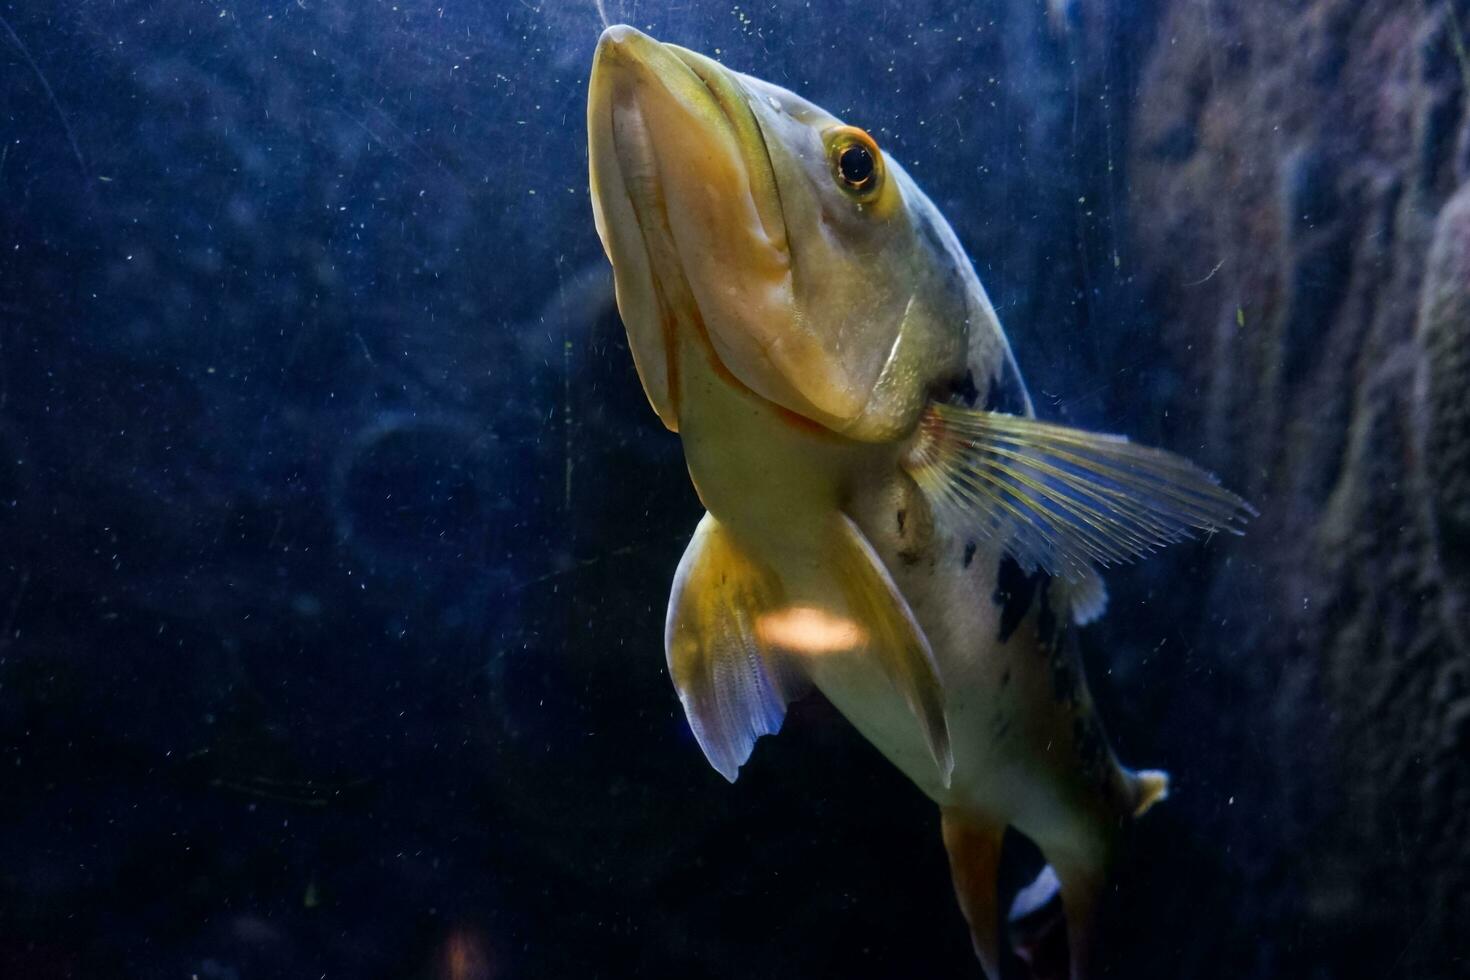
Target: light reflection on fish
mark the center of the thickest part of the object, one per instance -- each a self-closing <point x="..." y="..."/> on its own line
<point x="886" y="520"/>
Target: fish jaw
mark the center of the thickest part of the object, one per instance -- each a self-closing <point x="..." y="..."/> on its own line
<point x="631" y="218"/>
<point x="685" y="207"/>
<point x="684" y="159"/>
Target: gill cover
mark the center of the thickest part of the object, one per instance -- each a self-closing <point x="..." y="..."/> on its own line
<point x="741" y="217"/>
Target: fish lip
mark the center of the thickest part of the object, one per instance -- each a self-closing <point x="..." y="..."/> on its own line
<point x="699" y="65"/>
<point x="617" y="33"/>
<point x="631" y="66"/>
<point x="626" y="42"/>
<point x="624" y="60"/>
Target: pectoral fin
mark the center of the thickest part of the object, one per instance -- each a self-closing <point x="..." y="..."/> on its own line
<point x="737" y="639"/>
<point x="733" y="683"/>
<point x="1059" y="498"/>
<point x="893" y="635"/>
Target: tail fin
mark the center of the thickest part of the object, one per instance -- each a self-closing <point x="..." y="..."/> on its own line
<point x="1079" y="862"/>
<point x="1037" y="926"/>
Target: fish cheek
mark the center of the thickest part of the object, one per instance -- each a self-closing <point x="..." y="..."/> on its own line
<point x="923" y="349"/>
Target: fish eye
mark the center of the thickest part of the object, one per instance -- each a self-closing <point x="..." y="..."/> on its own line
<point x="857" y="165"/>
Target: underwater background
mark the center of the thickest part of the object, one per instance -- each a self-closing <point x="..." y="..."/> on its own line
<point x="336" y="533"/>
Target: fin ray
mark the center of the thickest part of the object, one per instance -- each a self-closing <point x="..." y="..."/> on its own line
<point x="733" y="685"/>
<point x="1062" y="499"/>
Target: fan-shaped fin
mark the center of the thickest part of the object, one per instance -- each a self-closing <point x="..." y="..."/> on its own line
<point x="736" y="641"/>
<point x="1062" y="499"/>
<point x="733" y="684"/>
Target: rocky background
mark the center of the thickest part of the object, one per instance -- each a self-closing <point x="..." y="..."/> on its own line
<point x="336" y="533"/>
<point x="1299" y="183"/>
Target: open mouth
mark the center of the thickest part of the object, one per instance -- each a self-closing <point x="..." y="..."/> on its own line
<point x="750" y="138"/>
<point x="679" y="169"/>
<point x="657" y="75"/>
<point x="629" y="205"/>
<point x="688" y="208"/>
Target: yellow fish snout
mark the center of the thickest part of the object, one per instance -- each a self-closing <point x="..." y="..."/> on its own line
<point x="756" y="227"/>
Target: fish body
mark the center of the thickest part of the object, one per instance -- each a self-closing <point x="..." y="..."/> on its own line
<point x="886" y="520"/>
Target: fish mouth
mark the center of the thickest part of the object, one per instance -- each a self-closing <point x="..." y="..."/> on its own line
<point x="685" y="200"/>
<point x="750" y="139"/>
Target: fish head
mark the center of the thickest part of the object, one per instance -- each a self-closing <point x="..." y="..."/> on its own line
<point x="820" y="276"/>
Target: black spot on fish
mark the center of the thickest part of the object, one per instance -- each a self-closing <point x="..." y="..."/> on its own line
<point x="1061" y="646"/>
<point x="1089" y="745"/>
<point x="1051" y="631"/>
<point x="1006" y="393"/>
<point x="1002" y="728"/>
<point x="1014" y="590"/>
<point x="901" y="516"/>
<point x="1005" y="678"/>
<point x="965" y="390"/>
<point x="1047" y="624"/>
<point x="1064" y="686"/>
<point x="969" y="553"/>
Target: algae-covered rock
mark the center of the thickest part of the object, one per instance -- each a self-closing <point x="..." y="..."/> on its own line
<point x="1444" y="333"/>
<point x="1310" y="158"/>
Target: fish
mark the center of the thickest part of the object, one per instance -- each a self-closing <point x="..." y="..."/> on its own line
<point x="887" y="521"/>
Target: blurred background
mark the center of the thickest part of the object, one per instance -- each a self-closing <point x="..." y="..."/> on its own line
<point x="335" y="531"/>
